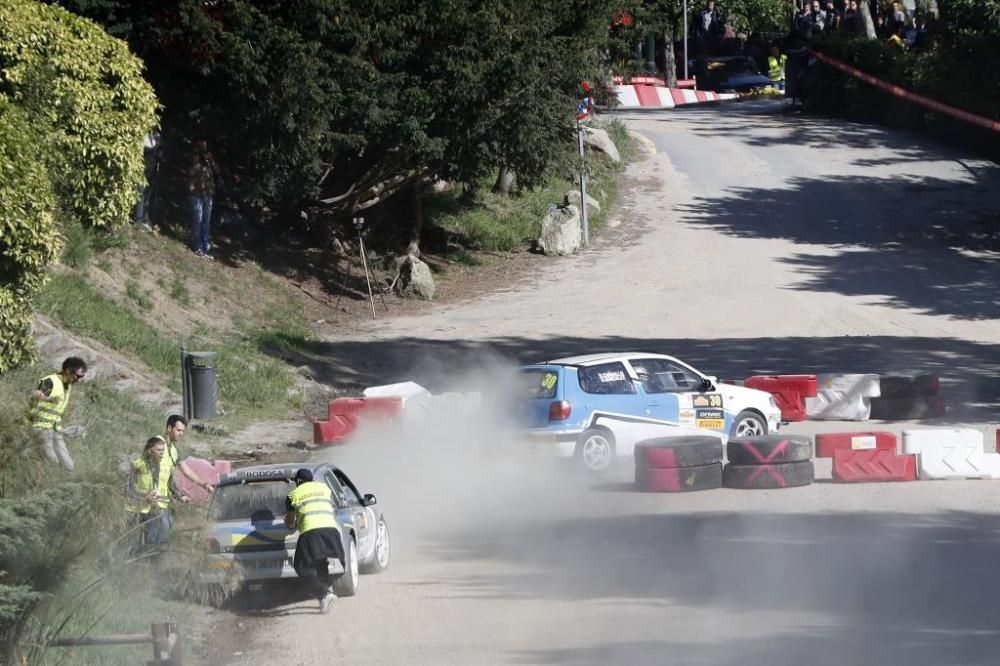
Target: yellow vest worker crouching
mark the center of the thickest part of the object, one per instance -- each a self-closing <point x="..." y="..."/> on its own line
<point x="310" y="509"/>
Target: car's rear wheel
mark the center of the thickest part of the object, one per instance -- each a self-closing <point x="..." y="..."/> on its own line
<point x="596" y="449"/>
<point x="347" y="585"/>
<point x="748" y="424"/>
<point x="380" y="554"/>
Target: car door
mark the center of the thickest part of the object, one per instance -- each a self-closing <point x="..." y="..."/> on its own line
<point x="612" y="399"/>
<point x="677" y="394"/>
<point x="364" y="524"/>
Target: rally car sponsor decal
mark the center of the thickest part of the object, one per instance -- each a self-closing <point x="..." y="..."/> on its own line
<point x="608" y="377"/>
<point x="687" y="416"/>
<point x="710" y="418"/>
<point x="708" y="400"/>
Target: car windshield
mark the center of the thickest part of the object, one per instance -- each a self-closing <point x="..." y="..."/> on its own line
<point x="539" y="384"/>
<point x="263" y="500"/>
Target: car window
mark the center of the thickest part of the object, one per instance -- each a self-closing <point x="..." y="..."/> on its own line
<point x="340" y="496"/>
<point x="658" y="375"/>
<point x="606" y="379"/>
<point x="345" y="483"/>
<point x="539" y="384"/>
<point x="258" y="502"/>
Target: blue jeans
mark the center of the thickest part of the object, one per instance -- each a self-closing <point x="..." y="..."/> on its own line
<point x="201" y="220"/>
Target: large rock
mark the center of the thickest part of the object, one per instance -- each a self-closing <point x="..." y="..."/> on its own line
<point x="599" y="140"/>
<point x="417" y="279"/>
<point x="560" y="231"/>
<point x="573" y="199"/>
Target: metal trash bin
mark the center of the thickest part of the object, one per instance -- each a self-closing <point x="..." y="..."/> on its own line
<point x="200" y="383"/>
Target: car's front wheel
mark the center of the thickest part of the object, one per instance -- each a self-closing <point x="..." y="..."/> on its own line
<point x="380" y="554"/>
<point x="748" y="424"/>
<point x="347" y="585"/>
<point x="596" y="449"/>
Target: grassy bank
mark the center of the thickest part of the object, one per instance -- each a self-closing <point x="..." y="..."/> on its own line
<point x="482" y="220"/>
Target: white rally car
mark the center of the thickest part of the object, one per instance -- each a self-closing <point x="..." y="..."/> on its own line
<point x="598" y="406"/>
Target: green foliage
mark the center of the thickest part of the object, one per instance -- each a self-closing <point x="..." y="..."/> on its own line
<point x="354" y="101"/>
<point x="179" y="291"/>
<point x="29" y="238"/>
<point x="77" y="251"/>
<point x="961" y="67"/>
<point x="85" y="90"/>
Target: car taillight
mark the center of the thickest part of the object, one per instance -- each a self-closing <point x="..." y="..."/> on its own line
<point x="559" y="411"/>
<point x="213" y="546"/>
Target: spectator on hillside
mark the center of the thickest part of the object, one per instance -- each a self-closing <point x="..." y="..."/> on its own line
<point x="202" y="173"/>
<point x="708" y="22"/>
<point x="833" y="17"/>
<point x="898" y="38"/>
<point x="851" y="21"/>
<point x="803" y="22"/>
<point x="151" y="167"/>
<point x="818" y="18"/>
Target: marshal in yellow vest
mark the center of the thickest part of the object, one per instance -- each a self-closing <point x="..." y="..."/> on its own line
<point x="313" y="505"/>
<point x="49" y="414"/>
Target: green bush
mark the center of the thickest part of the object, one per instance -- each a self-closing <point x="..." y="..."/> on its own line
<point x="86" y="90"/>
<point x="29" y="238"/>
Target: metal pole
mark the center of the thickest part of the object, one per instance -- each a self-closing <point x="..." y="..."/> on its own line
<point x="583" y="187"/>
<point x="364" y="262"/>
<point x="685" y="40"/>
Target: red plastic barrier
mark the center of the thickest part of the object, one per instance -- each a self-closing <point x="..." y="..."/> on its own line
<point x="873" y="466"/>
<point x="789" y="392"/>
<point x="343" y="415"/>
<point x="829" y="442"/>
<point x="192" y="472"/>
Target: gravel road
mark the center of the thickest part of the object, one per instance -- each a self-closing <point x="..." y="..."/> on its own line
<point x="748" y="240"/>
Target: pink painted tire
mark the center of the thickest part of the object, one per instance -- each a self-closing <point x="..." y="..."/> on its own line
<point x="679" y="479"/>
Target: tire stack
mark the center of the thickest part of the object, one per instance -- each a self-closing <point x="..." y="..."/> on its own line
<point x="768" y="462"/>
<point x="678" y="464"/>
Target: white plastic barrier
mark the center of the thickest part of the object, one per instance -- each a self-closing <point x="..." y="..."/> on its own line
<point x="951" y="453"/>
<point x="418" y="402"/>
<point x="841" y="397"/>
<point x="916" y="441"/>
<point x="404" y="390"/>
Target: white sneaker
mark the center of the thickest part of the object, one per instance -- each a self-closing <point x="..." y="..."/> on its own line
<point x="327" y="602"/>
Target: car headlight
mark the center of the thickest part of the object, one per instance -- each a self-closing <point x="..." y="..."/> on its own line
<point x="774" y="403"/>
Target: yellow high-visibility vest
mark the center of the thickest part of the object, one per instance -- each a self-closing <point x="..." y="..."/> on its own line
<point x="313" y="505"/>
<point x="49" y="414"/>
<point x="144" y="485"/>
<point x="776" y="67"/>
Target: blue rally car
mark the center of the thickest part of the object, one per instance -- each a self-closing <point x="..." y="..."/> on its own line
<point x="598" y="406"/>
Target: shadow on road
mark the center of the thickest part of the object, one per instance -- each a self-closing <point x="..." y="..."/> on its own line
<point x="896" y="588"/>
<point x="970" y="371"/>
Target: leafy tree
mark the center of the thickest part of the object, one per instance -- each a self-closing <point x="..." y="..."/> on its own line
<point x="344" y="103"/>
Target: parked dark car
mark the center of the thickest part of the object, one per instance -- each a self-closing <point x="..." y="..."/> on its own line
<point x="728" y="74"/>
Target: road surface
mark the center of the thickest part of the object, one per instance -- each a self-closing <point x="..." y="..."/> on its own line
<point x="747" y="241"/>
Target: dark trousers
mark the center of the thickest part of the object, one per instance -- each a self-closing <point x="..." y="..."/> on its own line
<point x="312" y="552"/>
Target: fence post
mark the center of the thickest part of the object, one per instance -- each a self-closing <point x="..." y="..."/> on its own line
<point x="166" y="645"/>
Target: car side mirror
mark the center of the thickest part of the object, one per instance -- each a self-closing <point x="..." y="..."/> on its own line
<point x="708" y="384"/>
<point x="369" y="500"/>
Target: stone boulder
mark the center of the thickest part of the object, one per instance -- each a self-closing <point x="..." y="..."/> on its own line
<point x="573" y="199"/>
<point x="598" y="139"/>
<point x="416" y="278"/>
<point x="561" y="233"/>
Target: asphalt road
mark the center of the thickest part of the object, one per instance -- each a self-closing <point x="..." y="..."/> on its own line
<point x="748" y="241"/>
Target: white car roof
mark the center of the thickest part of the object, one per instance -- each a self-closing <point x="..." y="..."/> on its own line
<point x="594" y="359"/>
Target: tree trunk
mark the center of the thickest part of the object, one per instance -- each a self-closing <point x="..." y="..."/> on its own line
<point x="669" y="58"/>
<point x="505" y="182"/>
<point x="417" y="221"/>
<point x="866" y="18"/>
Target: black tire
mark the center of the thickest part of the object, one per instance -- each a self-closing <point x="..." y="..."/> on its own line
<point x="766" y="477"/>
<point x="679" y="479"/>
<point x="748" y="424"/>
<point x="378" y="563"/>
<point x="908" y="386"/>
<point x="769" y="450"/>
<point x="596" y="457"/>
<point x="347" y="584"/>
<point x="687" y="451"/>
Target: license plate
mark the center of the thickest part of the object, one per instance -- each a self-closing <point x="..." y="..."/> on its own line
<point x="257" y="565"/>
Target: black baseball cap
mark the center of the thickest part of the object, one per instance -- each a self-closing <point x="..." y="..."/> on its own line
<point x="304" y="475"/>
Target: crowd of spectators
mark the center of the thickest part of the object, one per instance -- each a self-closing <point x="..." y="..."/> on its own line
<point x="904" y="26"/>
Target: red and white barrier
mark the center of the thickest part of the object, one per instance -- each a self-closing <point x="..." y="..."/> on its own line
<point x="843" y="397"/>
<point x="639" y="96"/>
<point x="789" y="392"/>
<point x="873" y="465"/>
<point x="951" y="453"/>
<point x="828" y="443"/>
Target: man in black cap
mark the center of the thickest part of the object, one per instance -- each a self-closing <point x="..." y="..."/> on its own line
<point x="310" y="510"/>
